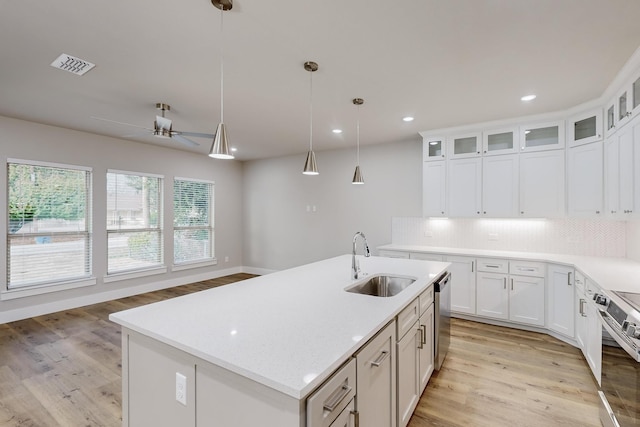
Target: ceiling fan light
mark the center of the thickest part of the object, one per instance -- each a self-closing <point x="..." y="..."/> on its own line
<point x="310" y="167"/>
<point x="220" y="147"/>
<point x="357" y="176"/>
<point x="161" y="132"/>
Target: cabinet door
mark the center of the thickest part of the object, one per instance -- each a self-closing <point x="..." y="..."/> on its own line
<point x="434" y="189"/>
<point x="462" y="146"/>
<point x="625" y="169"/>
<point x="610" y="119"/>
<point x="427" y="350"/>
<point x="492" y="296"/>
<point x="593" y="343"/>
<point x="581" y="322"/>
<point x="542" y="136"/>
<point x="585" y="128"/>
<point x="611" y="176"/>
<point x="542" y="184"/>
<point x="408" y="374"/>
<point x="376" y="380"/>
<point x="433" y="148"/>
<point x="500" y="141"/>
<point x="526" y="300"/>
<point x="463" y="284"/>
<point x="345" y="418"/>
<point x="465" y="187"/>
<point x="623" y="103"/>
<point x="500" y="186"/>
<point x="585" y="180"/>
<point x="560" y="300"/>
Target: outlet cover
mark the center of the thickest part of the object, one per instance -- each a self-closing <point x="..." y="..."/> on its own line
<point x="181" y="388"/>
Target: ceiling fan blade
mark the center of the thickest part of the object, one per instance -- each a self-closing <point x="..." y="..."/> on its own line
<point x="120" y="123"/>
<point x="184" y="140"/>
<point x="196" y="134"/>
<point x="134" y="135"/>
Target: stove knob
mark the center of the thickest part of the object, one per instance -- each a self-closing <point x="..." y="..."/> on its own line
<point x="633" y="330"/>
<point x="600" y="299"/>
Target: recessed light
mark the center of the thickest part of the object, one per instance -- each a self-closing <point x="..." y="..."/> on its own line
<point x="408" y="119"/>
<point x="528" y="98"/>
<point x="234" y="149"/>
<point x="434" y="142"/>
<point x="337" y="131"/>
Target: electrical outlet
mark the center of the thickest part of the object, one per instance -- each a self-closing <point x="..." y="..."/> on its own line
<point x="226" y="259"/>
<point x="181" y="388"/>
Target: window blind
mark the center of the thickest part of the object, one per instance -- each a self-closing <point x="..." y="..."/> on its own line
<point x="192" y="221"/>
<point x="49" y="223"/>
<point x="134" y="222"/>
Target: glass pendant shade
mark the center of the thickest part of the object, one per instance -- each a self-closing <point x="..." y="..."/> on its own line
<point x="310" y="167"/>
<point x="357" y="176"/>
<point x="220" y="147"/>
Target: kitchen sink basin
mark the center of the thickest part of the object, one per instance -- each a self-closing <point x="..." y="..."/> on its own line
<point x="382" y="286"/>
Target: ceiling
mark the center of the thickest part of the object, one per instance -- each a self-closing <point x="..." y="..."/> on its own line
<point x="446" y="62"/>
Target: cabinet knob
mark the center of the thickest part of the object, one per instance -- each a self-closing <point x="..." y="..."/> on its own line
<point x="478" y="212"/>
<point x="521" y="212"/>
<point x="598" y="212"/>
<point x="485" y="212"/>
<point x="613" y="212"/>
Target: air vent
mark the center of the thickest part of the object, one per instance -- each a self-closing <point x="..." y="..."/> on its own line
<point x="72" y="64"/>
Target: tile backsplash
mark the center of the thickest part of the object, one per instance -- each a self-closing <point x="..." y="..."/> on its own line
<point x="567" y="236"/>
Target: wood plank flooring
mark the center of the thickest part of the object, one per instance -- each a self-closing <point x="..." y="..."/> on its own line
<point x="64" y="369"/>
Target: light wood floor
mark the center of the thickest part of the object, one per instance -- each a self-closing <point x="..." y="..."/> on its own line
<point x="64" y="369"/>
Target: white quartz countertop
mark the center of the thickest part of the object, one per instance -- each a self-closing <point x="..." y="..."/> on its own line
<point x="288" y="330"/>
<point x="609" y="273"/>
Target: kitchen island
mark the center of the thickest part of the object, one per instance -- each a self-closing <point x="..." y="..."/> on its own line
<point x="251" y="353"/>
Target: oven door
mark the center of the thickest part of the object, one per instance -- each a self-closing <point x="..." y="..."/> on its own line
<point x="620" y="389"/>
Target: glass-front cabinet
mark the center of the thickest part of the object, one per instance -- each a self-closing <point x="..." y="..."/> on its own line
<point x="433" y="148"/>
<point x="585" y="128"/>
<point x="542" y="136"/>
<point x="467" y="145"/>
<point x="500" y="141"/>
<point x="623" y="107"/>
<point x="610" y="118"/>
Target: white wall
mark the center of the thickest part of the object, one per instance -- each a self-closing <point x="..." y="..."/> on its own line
<point x="31" y="141"/>
<point x="280" y="233"/>
<point x="633" y="240"/>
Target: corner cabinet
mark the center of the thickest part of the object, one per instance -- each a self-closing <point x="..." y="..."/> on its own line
<point x="560" y="300"/>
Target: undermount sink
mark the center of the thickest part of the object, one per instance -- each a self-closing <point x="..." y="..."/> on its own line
<point x="382" y="286"/>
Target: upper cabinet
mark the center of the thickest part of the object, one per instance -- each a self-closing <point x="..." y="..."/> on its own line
<point x="542" y="184"/>
<point x="542" y="136"/>
<point x="584" y="180"/>
<point x="620" y="110"/>
<point x="585" y="128"/>
<point x="433" y="148"/>
<point x="463" y="146"/>
<point x="500" y="141"/>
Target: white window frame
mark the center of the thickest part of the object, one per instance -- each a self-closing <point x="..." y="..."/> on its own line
<point x="132" y="273"/>
<point x="37" y="288"/>
<point x="201" y="262"/>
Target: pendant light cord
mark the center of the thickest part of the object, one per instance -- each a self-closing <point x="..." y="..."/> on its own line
<point x="358" y="137"/>
<point x="221" y="66"/>
<point x="311" y="111"/>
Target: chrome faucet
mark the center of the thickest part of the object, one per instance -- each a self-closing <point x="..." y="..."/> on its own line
<point x="355" y="265"/>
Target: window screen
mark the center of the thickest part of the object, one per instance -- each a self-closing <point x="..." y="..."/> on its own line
<point x="134" y="222"/>
<point x="49" y="224"/>
<point x="192" y="221"/>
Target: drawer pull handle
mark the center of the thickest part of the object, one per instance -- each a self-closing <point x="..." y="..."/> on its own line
<point x="424" y="333"/>
<point x="380" y="359"/>
<point x="491" y="266"/>
<point x="526" y="269"/>
<point x="356" y="418"/>
<point x="421" y="342"/>
<point x="569" y="279"/>
<point x="338" y="397"/>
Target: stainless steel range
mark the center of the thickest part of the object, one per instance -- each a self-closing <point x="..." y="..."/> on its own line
<point x="620" y="387"/>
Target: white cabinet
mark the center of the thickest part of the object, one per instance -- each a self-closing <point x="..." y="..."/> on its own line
<point x="500" y="186"/>
<point x="623" y="107"/>
<point x="542" y="136"/>
<point x="585" y="180"/>
<point x="427" y="348"/>
<point x="500" y="141"/>
<point x="542" y="184"/>
<point x="434" y="188"/>
<point x="465" y="187"/>
<point x="376" y="380"/>
<point x="514" y="297"/>
<point x="620" y="162"/>
<point x="425" y="256"/>
<point x="610" y="119"/>
<point x="393" y="254"/>
<point x="346" y="417"/>
<point x="330" y="400"/>
<point x="462" y="146"/>
<point x="463" y="284"/>
<point x="433" y="148"/>
<point x="588" y="327"/>
<point x="560" y="300"/>
<point x="585" y="128"/>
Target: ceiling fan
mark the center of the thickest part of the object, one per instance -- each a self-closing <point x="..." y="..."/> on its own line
<point x="162" y="128"/>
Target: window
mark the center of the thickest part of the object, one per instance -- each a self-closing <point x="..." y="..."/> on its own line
<point x="49" y="224"/>
<point x="192" y="221"/>
<point x="134" y="222"/>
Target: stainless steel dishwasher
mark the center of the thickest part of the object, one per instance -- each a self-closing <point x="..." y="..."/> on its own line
<point x="442" y="318"/>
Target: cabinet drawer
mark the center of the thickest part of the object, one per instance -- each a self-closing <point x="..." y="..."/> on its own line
<point x="425" y="299"/>
<point x="493" y="265"/>
<point x="328" y="401"/>
<point x="407" y="318"/>
<point x="527" y="268"/>
<point x="426" y="257"/>
<point x="393" y="254"/>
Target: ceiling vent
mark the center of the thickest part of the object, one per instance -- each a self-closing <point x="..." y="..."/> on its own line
<point x="72" y="64"/>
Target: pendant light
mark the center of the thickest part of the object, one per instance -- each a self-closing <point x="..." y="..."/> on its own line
<point x="357" y="175"/>
<point x="220" y="146"/>
<point x="310" y="167"/>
